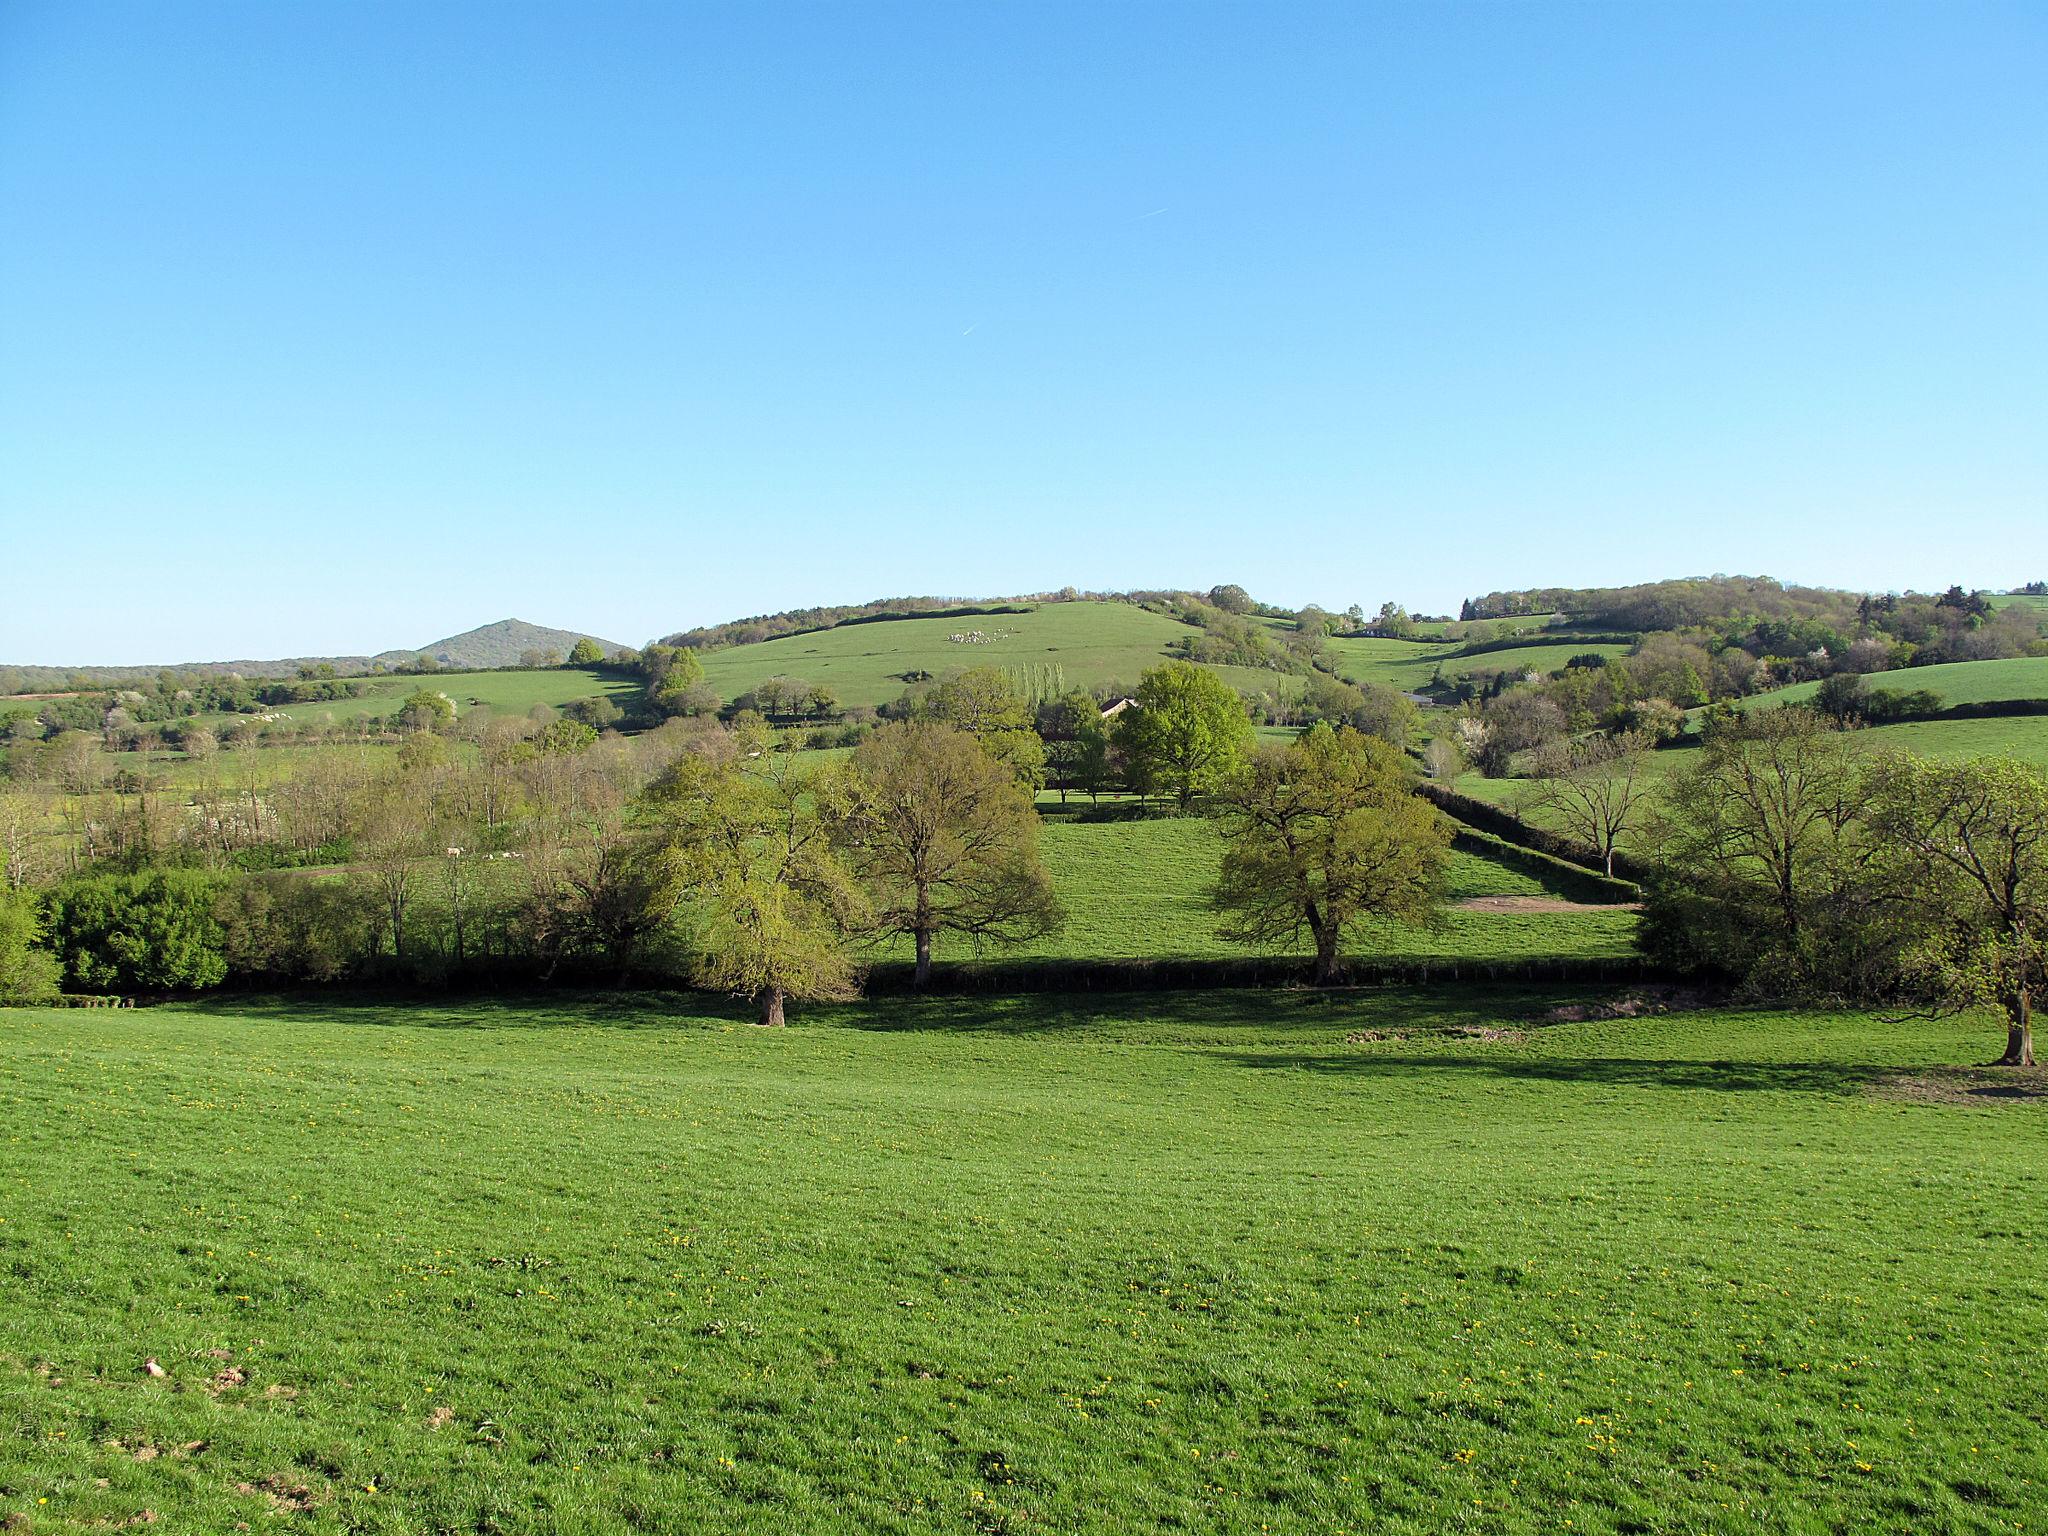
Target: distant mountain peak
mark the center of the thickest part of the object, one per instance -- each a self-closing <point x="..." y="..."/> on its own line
<point x="502" y="644"/>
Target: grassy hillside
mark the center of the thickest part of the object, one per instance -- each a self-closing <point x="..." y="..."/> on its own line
<point x="1958" y="682"/>
<point x="2024" y="737"/>
<point x="1410" y="664"/>
<point x="1123" y="1264"/>
<point x="506" y="693"/>
<point x="499" y="645"/>
<point x="1093" y="643"/>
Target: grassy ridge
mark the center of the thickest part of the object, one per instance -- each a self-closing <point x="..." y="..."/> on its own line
<point x="1093" y="643"/>
<point x="1046" y="1264"/>
<point x="1958" y="682"/>
<point x="2024" y="737"/>
<point x="1410" y="664"/>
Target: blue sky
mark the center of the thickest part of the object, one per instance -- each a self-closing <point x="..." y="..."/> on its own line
<point x="337" y="327"/>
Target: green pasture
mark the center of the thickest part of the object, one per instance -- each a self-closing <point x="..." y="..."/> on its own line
<point x="1410" y="665"/>
<point x="505" y="693"/>
<point x="2022" y="736"/>
<point x="1140" y="890"/>
<point x="1958" y="682"/>
<point x="1379" y="1261"/>
<point x="1092" y="643"/>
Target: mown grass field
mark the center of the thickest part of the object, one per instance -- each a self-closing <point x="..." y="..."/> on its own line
<point x="1122" y="1264"/>
<point x="1092" y="643"/>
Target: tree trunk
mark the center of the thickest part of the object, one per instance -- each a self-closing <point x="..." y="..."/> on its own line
<point x="1326" y="955"/>
<point x="924" y="957"/>
<point x="2019" y="1033"/>
<point x="770" y="999"/>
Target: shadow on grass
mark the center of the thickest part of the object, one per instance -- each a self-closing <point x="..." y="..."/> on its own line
<point x="1822" y="1077"/>
<point x="1216" y="1012"/>
<point x="538" y="1010"/>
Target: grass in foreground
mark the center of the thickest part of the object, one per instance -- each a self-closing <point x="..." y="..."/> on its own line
<point x="1126" y="1264"/>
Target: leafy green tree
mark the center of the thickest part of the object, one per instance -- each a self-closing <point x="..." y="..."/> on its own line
<point x="675" y="680"/>
<point x="28" y="973"/>
<point x="425" y="710"/>
<point x="1973" y="838"/>
<point x="1187" y="734"/>
<point x="749" y="843"/>
<point x="586" y="653"/>
<point x="1321" y="835"/>
<point x="983" y="702"/>
<point x="153" y="932"/>
<point x="1231" y="598"/>
<point x="945" y="840"/>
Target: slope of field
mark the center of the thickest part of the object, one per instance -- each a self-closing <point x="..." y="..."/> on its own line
<point x="505" y="693"/>
<point x="1140" y="890"/>
<point x="1410" y="665"/>
<point x="1092" y="644"/>
<point x="2024" y="737"/>
<point x="1958" y="682"/>
<point x="1126" y="1264"/>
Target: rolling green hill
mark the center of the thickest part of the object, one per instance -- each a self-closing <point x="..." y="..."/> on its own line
<point x="1092" y="643"/>
<point x="1958" y="682"/>
<point x="1410" y="664"/>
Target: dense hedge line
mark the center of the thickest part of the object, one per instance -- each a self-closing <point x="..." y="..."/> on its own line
<point x="996" y="976"/>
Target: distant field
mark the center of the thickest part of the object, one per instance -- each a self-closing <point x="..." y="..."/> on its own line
<point x="2024" y="737"/>
<point x="1139" y="890"/>
<point x="507" y="693"/>
<point x="1092" y="643"/>
<point x="1391" y="1260"/>
<point x="1958" y="682"/>
<point x="2021" y="600"/>
<point x="1410" y="664"/>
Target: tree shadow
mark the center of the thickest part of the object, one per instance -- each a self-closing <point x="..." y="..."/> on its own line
<point x="1818" y="1077"/>
<point x="626" y="1010"/>
<point x="1220" y="1010"/>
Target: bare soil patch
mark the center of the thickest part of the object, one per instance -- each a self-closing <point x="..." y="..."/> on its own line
<point x="1965" y="1085"/>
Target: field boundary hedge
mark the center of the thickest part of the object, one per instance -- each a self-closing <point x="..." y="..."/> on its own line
<point x="1511" y="828"/>
<point x="895" y="978"/>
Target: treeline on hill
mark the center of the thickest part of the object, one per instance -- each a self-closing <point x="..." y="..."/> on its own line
<point x="702" y="848"/>
<point x="1774" y="622"/>
<point x="1732" y="656"/>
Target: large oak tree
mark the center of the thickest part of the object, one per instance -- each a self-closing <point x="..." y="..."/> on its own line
<point x="945" y="840"/>
<point x="1322" y="835"/>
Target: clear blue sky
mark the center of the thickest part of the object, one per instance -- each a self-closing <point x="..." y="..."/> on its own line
<point x="332" y="327"/>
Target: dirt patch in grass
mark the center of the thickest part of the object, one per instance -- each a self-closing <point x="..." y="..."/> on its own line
<point x="284" y="1494"/>
<point x="1965" y="1085"/>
